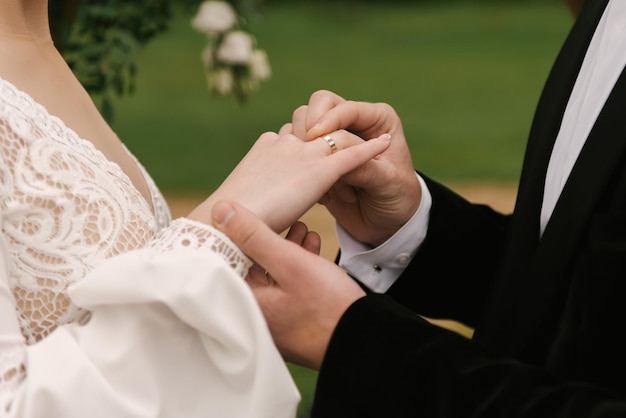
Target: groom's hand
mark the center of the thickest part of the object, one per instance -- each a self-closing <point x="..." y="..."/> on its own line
<point x="302" y="296"/>
<point x="375" y="200"/>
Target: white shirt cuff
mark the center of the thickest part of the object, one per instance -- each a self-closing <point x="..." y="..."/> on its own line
<point x="380" y="267"/>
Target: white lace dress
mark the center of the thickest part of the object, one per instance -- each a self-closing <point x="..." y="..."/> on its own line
<point x="108" y="309"/>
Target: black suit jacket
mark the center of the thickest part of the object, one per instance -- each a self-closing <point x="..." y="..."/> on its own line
<point x="549" y="313"/>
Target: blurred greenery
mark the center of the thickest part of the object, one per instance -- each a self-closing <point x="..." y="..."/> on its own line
<point x="464" y="78"/>
<point x="99" y="39"/>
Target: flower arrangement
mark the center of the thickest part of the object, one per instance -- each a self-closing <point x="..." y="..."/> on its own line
<point x="234" y="64"/>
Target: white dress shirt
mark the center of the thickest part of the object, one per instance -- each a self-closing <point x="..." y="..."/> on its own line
<point x="378" y="268"/>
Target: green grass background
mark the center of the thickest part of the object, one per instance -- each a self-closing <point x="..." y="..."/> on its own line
<point x="463" y="77"/>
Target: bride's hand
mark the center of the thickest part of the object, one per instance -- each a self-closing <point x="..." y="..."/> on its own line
<point x="281" y="177"/>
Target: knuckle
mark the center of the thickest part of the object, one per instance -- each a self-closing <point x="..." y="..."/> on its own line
<point x="267" y="137"/>
<point x="385" y="108"/>
<point x="319" y="94"/>
<point x="302" y="109"/>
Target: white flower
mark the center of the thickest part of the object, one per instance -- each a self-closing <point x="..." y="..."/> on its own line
<point x="236" y="48"/>
<point x="214" y="17"/>
<point x="221" y="81"/>
<point x="260" y="65"/>
<point x="233" y="64"/>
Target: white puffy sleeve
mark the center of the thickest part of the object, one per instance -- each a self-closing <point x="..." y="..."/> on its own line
<point x="174" y="332"/>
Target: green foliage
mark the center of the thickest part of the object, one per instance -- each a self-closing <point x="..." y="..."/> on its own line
<point x="100" y="40"/>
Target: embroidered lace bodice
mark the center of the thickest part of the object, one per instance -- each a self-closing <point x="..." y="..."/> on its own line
<point x="64" y="208"/>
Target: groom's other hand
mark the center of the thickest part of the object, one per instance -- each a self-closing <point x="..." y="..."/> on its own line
<point x="302" y="296"/>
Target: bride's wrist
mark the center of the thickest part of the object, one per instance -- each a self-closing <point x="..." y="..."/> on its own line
<point x="202" y="212"/>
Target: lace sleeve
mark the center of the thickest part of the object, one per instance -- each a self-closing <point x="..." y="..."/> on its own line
<point x="186" y="233"/>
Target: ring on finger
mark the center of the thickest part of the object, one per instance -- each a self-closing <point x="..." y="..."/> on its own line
<point x="331" y="143"/>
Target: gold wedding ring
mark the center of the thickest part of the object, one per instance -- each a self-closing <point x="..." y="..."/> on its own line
<point x="331" y="142"/>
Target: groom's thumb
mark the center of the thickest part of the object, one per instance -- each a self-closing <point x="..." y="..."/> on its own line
<point x="247" y="231"/>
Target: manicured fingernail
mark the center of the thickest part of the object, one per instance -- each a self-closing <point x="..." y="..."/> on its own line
<point x="222" y="212"/>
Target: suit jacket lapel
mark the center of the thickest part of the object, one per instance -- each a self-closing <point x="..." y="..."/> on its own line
<point x="510" y="320"/>
<point x="597" y="163"/>
<point x="548" y="116"/>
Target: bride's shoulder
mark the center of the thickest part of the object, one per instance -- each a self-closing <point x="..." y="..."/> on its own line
<point x="13" y="100"/>
<point x="22" y="114"/>
<point x="9" y="93"/>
